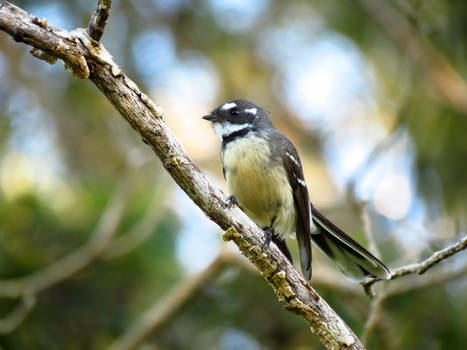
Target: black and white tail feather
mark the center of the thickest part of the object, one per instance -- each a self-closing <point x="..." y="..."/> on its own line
<point x="350" y="257"/>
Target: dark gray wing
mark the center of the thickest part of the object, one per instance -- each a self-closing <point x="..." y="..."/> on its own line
<point x="294" y="171"/>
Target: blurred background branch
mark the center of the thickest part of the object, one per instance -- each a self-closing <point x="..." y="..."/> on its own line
<point x="75" y="261"/>
<point x="101" y="245"/>
<point x="18" y="314"/>
<point x="445" y="81"/>
<point x="143" y="229"/>
<point x="164" y="309"/>
<point x="373" y="318"/>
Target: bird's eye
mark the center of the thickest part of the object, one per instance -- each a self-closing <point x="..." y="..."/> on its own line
<point x="234" y="111"/>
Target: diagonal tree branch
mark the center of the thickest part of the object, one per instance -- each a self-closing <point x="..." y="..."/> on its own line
<point x="99" y="19"/>
<point x="88" y="59"/>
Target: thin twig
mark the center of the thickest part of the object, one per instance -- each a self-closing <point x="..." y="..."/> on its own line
<point x="99" y="19"/>
<point x="424" y="265"/>
<point x="415" y="284"/>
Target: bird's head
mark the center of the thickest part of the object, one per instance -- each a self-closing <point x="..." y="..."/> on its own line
<point x="236" y="115"/>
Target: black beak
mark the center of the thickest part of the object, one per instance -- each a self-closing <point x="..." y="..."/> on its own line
<point x="211" y="118"/>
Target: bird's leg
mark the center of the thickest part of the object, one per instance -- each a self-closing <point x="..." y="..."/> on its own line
<point x="269" y="232"/>
<point x="280" y="242"/>
<point x="231" y="201"/>
<point x="282" y="245"/>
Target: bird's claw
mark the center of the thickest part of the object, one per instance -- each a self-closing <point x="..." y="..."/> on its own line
<point x="268" y="233"/>
<point x="231" y="201"/>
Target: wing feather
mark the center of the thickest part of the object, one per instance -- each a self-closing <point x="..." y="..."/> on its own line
<point x="302" y="203"/>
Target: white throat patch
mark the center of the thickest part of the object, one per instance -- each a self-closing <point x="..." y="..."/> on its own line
<point x="226" y="128"/>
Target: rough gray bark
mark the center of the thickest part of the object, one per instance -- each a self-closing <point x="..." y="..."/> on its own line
<point x="86" y="58"/>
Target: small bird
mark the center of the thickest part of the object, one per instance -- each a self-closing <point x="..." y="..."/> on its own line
<point x="265" y="178"/>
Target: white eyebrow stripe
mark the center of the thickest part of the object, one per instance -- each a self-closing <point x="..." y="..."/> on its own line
<point x="251" y="110"/>
<point x="228" y="105"/>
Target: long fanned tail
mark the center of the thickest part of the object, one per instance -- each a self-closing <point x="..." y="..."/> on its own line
<point x="350" y="257"/>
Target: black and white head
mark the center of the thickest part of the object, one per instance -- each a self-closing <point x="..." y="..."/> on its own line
<point x="238" y="116"/>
